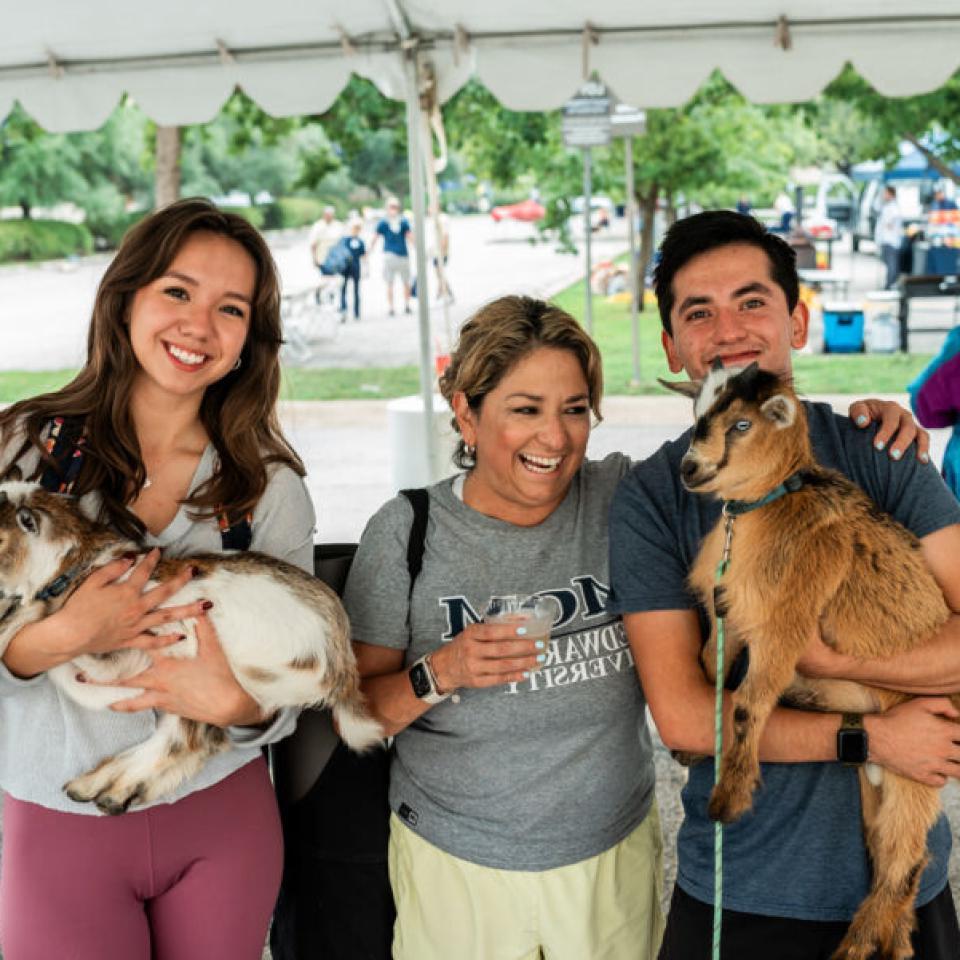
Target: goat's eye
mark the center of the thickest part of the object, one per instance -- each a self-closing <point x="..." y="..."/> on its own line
<point x="742" y="426"/>
<point x="27" y="520"/>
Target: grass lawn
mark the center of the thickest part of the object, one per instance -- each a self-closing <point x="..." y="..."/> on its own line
<point x="860" y="374"/>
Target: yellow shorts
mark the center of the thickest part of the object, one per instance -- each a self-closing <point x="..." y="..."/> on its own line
<point x="604" y="908"/>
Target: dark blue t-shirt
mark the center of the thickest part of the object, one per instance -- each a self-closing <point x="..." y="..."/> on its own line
<point x="800" y="852"/>
<point x="394" y="240"/>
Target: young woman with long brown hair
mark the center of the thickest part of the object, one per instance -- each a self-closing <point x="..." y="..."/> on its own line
<point x="169" y="433"/>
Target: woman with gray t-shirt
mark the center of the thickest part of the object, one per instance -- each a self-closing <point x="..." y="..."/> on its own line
<point x="524" y="816"/>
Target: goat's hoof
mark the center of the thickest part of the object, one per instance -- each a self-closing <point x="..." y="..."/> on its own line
<point x="115" y="801"/>
<point x="81" y="789"/>
<point x="856" y="946"/>
<point x="726" y="806"/>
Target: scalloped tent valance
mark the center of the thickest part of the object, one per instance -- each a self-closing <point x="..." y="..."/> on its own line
<point x="69" y="63"/>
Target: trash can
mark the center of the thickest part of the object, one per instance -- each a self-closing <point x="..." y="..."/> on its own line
<point x="842" y="328"/>
<point x="408" y="461"/>
<point x="882" y="321"/>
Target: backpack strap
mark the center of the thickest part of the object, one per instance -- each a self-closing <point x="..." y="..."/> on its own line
<point x="420" y="501"/>
<point x="64" y="443"/>
<point x="237" y="535"/>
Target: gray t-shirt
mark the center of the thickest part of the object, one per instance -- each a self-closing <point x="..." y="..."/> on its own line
<point x="805" y="824"/>
<point x="526" y="776"/>
<point x="46" y="738"/>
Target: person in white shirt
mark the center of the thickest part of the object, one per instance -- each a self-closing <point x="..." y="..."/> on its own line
<point x="889" y="235"/>
<point x="324" y="234"/>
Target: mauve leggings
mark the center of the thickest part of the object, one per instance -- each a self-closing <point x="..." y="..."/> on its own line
<point x="193" y="880"/>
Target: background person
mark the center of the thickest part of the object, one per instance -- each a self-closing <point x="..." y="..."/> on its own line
<point x="324" y="236"/>
<point x="795" y="869"/>
<point x="935" y="397"/>
<point x="177" y="398"/>
<point x="395" y="232"/>
<point x="888" y="235"/>
<point x="357" y="249"/>
<point x="516" y="792"/>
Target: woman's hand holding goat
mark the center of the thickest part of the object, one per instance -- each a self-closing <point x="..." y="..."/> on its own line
<point x="201" y="688"/>
<point x="105" y="613"/>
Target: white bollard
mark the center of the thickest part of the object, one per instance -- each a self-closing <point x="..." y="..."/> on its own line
<point x="408" y="467"/>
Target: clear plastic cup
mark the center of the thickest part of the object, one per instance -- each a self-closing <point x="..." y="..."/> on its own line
<point x="535" y="613"/>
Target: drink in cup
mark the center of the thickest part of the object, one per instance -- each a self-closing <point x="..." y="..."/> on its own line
<point x="535" y="613"/>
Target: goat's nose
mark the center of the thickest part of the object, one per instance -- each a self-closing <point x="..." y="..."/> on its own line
<point x="688" y="467"/>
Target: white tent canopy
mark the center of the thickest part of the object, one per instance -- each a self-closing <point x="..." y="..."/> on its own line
<point x="68" y="63"/>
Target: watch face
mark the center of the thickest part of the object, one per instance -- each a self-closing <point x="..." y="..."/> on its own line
<point x="420" y="679"/>
<point x="852" y="746"/>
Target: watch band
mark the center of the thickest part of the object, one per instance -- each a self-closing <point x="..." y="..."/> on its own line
<point x="424" y="681"/>
<point x="852" y="741"/>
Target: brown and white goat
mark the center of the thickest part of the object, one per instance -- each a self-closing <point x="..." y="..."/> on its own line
<point x="821" y="557"/>
<point x="284" y="633"/>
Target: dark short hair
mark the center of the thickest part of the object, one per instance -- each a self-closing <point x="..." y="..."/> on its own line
<point x="706" y="231"/>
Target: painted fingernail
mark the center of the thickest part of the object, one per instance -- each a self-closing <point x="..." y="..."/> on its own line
<point x="895" y="454"/>
<point x="862" y="420"/>
<point x="521" y="631"/>
<point x="925" y="457"/>
<point x="206" y="605"/>
<point x="879" y="444"/>
<point x="80" y="678"/>
<point x="541" y="658"/>
<point x="130" y="555"/>
<point x="540" y="645"/>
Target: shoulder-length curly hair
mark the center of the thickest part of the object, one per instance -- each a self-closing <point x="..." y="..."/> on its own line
<point x="497" y="337"/>
<point x="238" y="412"/>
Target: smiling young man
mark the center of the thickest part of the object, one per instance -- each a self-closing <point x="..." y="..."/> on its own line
<point x="795" y="868"/>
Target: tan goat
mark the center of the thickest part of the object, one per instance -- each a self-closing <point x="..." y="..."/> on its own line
<point x="820" y="557"/>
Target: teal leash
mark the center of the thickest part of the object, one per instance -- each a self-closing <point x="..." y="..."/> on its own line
<point x="718" y="741"/>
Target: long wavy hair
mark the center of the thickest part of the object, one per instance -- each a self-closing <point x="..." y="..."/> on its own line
<point x="238" y="412"/>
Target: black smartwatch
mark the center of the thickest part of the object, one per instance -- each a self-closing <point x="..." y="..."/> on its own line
<point x="424" y="683"/>
<point x="852" y="741"/>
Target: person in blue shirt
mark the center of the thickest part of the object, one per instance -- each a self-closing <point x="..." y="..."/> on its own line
<point x="394" y="229"/>
<point x="354" y="245"/>
<point x="796" y="868"/>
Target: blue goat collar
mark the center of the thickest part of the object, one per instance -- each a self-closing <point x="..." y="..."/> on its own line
<point x="735" y="508"/>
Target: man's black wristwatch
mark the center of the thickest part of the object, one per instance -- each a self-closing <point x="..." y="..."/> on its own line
<point x="424" y="682"/>
<point x="852" y="741"/>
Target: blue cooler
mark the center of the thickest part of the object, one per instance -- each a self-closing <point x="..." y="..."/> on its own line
<point x="842" y="328"/>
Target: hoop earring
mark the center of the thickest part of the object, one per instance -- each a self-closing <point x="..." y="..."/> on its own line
<point x="469" y="449"/>
<point x="238" y="364"/>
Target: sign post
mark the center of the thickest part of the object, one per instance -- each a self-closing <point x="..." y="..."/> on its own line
<point x="586" y="124"/>
<point x="628" y="122"/>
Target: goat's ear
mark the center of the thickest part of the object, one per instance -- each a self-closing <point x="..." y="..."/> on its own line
<point x="689" y="388"/>
<point x="780" y="410"/>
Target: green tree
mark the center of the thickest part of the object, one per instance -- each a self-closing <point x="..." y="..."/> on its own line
<point x="37" y="169"/>
<point x="930" y="121"/>
<point x="369" y="134"/>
